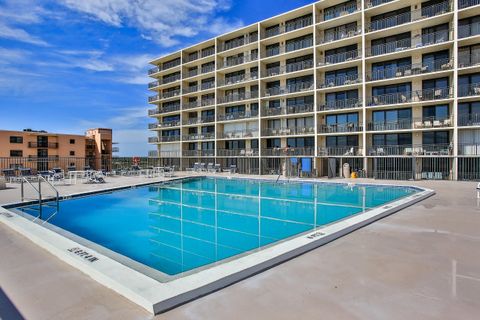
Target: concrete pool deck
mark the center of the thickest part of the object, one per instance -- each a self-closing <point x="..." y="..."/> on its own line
<point x="402" y="266"/>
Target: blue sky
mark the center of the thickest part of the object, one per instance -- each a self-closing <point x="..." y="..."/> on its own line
<point x="68" y="65"/>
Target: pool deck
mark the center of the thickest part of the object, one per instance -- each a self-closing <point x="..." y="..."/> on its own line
<point x="421" y="263"/>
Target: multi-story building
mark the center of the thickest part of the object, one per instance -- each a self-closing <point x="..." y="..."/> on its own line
<point x="40" y="150"/>
<point x="390" y="87"/>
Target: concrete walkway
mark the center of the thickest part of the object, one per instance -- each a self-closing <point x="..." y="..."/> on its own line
<point x="420" y="263"/>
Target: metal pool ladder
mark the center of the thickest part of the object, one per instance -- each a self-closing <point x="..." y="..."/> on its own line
<point x="39" y="199"/>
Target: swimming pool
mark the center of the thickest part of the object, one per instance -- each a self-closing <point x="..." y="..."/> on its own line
<point x="186" y="225"/>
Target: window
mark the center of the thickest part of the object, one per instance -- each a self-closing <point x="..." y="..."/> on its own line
<point x="434" y="7"/>
<point x="468" y="27"/>
<point x="72" y="141"/>
<point x="254" y="144"/>
<point x="210" y="145"/>
<point x="208" y="67"/>
<point x="341" y="77"/>
<point x="299" y="83"/>
<point x="208" y="51"/>
<point x="390" y="19"/>
<point x="435" y="89"/>
<point x="468" y="56"/>
<point x="234" y="144"/>
<point x="396" y="119"/>
<point x="307" y="142"/>
<point x="208" y="129"/>
<point x="16" y="139"/>
<point x="273" y="143"/>
<point x="170" y="133"/>
<point x="235" y="109"/>
<point x="273" y="49"/>
<point x="16" y="153"/>
<point x="469" y="84"/>
<point x="439" y="112"/>
<point x="435" y="34"/>
<point x="435" y="61"/>
<point x="390" y="69"/>
<point x="299" y="22"/>
<point x="299" y="43"/>
<point x="469" y="113"/>
<point x="392" y="94"/>
<point x="272" y="31"/>
<point x="72" y="153"/>
<point x="341" y="54"/>
<point x="340" y="32"/>
<point x="391" y="44"/>
<point x="339" y="9"/>
<point x="306" y="122"/>
<point x="341" y="99"/>
<point x="394" y="139"/>
<point x="192" y="146"/>
<point x="300" y="63"/>
<point x="304" y="102"/>
<point x="342" y="119"/>
<point x="342" y="141"/>
<point x="171" y="119"/>
<point x="435" y="137"/>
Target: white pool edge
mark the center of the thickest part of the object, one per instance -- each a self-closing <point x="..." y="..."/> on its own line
<point x="157" y="297"/>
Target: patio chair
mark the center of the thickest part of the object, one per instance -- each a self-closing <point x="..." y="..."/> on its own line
<point x="380" y="152"/>
<point x="96" y="177"/>
<point x="202" y="167"/>
<point x="218" y="168"/>
<point x="350" y="152"/>
<point x="210" y="168"/>
<point x="242" y="152"/>
<point x="418" y="124"/>
<point x="427" y="124"/>
<point x="168" y="172"/>
<point x="437" y="123"/>
<point x="233" y="168"/>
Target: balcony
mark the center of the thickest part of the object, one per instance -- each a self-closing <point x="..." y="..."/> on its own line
<point x="49" y="145"/>
<point x="339" y="35"/>
<point x="286" y="110"/>
<point x="170" y="108"/>
<point x="170" y="154"/>
<point x="169" y="138"/>
<point x="468" y="30"/>
<point x="281" y="29"/>
<point x="238" y="134"/>
<point x="298" y="87"/>
<point x="237" y="152"/>
<point x="295" y="46"/>
<point x="154" y="70"/>
<point x="198" y="153"/>
<point x="238" y="79"/>
<point x="272" y="132"/>
<point x="237" y="115"/>
<point x="238" y="97"/>
<point x="411" y="70"/>
<point x="340" y="127"/>
<point x="193" y="121"/>
<point x="462" y="4"/>
<point x="469" y="90"/>
<point x="199" y="55"/>
<point x="472" y="119"/>
<point x="411" y="150"/>
<point x="470" y="60"/>
<point x="374" y="3"/>
<point x="410" y="43"/>
<point x="288" y="152"/>
<point x="413" y="96"/>
<point x="247" y="39"/>
<point x="153" y="154"/>
<point x="331" y="82"/>
<point x="166" y="124"/>
<point x="198" y="104"/>
<point x="340" y="11"/>
<point x="235" y="61"/>
<point x="472" y="149"/>
<point x="340" y="104"/>
<point x="340" y="57"/>
<point x="289" y="68"/>
<point x="165" y="95"/>
<point x="406" y="124"/>
<point x="411" y="16"/>
<point x="153" y="140"/>
<point x="342" y="151"/>
<point x="199" y="136"/>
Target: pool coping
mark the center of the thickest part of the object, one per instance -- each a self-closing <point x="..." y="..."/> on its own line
<point x="157" y="297"/>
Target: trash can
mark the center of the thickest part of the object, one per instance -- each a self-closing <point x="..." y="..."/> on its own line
<point x="346" y="170"/>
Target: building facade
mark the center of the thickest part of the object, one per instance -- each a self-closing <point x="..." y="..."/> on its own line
<point x="390" y="87"/>
<point x="40" y="150"/>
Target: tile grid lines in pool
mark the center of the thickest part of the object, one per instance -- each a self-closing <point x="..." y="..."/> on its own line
<point x="251" y="197"/>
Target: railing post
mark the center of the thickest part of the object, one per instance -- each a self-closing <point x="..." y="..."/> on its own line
<point x="40" y="198"/>
<point x="22" y="190"/>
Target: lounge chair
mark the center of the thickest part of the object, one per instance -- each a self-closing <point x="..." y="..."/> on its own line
<point x="210" y="167"/>
<point x="168" y="172"/>
<point x="202" y="167"/>
<point x="218" y="168"/>
<point x="27" y="173"/>
<point x="96" y="177"/>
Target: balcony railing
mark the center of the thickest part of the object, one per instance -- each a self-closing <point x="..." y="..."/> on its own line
<point x="339" y="35"/>
<point x="247" y="39"/>
<point x="341" y="57"/>
<point x="298" y="87"/>
<point x="469" y="60"/>
<point x="340" y="104"/>
<point x="198" y="153"/>
<point x="410" y="43"/>
<point x="411" y="16"/>
<point x="415" y="123"/>
<point x="412" y="96"/>
<point x="412" y="150"/>
<point x="154" y="70"/>
<point x="168" y="154"/>
<point x="290" y="131"/>
<point x="298" y="45"/>
<point x="153" y="154"/>
<point x="238" y="134"/>
<point x="339" y="81"/>
<point x="192" y="121"/>
<point x="288" y="152"/>
<point x="291" y="67"/>
<point x="345" y="151"/>
<point x="235" y="61"/>
<point x="238" y="79"/>
<point x="153" y="140"/>
<point x="237" y="115"/>
<point x="165" y="66"/>
<point x="468" y="90"/>
<point x="462" y="4"/>
<point x="238" y="97"/>
<point x="283" y="110"/>
<point x="49" y="145"/>
<point x="340" y="127"/>
<point x="199" y="136"/>
<point x="169" y="138"/>
<point x="165" y="95"/>
<point x="340" y="11"/>
<point x="472" y="149"/>
<point x="281" y="29"/>
<point x="198" y="104"/>
<point x="468" y="30"/>
<point x="199" y="55"/>
<point x="237" y="152"/>
<point x="410" y="70"/>
<point x="472" y="119"/>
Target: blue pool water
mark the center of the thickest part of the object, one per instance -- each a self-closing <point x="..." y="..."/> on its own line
<point x="191" y="223"/>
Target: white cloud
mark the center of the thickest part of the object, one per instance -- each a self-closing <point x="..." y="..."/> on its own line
<point x="21" y="35"/>
<point x="162" y="21"/>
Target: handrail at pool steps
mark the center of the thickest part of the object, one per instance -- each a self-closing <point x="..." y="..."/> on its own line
<point x="41" y="203"/>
